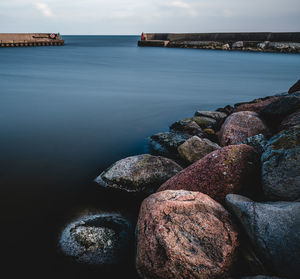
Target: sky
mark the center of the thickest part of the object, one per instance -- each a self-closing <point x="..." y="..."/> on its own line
<point x="131" y="17"/>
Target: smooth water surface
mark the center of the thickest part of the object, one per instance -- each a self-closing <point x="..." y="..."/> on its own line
<point x="67" y="113"/>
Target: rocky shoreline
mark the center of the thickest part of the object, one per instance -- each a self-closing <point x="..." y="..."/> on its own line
<point x="220" y="198"/>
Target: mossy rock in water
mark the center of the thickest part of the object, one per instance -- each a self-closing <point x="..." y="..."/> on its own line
<point x="281" y="167"/>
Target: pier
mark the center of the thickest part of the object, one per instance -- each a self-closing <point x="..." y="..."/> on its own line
<point x="253" y="41"/>
<point x="30" y="39"/>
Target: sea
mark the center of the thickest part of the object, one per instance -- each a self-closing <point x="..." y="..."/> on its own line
<point x="67" y="113"/>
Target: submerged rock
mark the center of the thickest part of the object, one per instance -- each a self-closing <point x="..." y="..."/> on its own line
<point x="274" y="230"/>
<point x="182" y="234"/>
<point x="166" y="143"/>
<point x="196" y="148"/>
<point x="141" y="174"/>
<point x="275" y="112"/>
<point x="280" y="166"/>
<point x="232" y="169"/>
<point x="241" y="125"/>
<point x="101" y="239"/>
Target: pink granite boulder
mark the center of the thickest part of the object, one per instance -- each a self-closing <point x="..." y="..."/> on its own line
<point x="184" y="235"/>
<point x="256" y="105"/>
<point x="231" y="169"/>
<point x="240" y="126"/>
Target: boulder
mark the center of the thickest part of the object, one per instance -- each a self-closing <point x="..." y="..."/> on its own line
<point x="101" y="239"/>
<point x="280" y="166"/>
<point x="274" y="230"/>
<point x="241" y="125"/>
<point x="275" y="112"/>
<point x="290" y="121"/>
<point x="227" y="109"/>
<point x="188" y="127"/>
<point x="238" y="44"/>
<point x="232" y="169"/>
<point x="182" y="234"/>
<point x="256" y="105"/>
<point x="205" y="122"/>
<point x="196" y="148"/>
<point x="141" y="174"/>
<point x="295" y="87"/>
<point x="166" y="143"/>
<point x="216" y="115"/>
<point x="258" y="142"/>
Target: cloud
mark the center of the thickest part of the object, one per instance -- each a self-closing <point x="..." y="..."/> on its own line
<point x="44" y="9"/>
<point x="180" y="4"/>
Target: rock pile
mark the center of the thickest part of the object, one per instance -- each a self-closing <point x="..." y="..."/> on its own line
<point x="242" y="158"/>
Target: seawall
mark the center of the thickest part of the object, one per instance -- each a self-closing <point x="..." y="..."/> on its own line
<point x="253" y="41"/>
<point x="30" y="39"/>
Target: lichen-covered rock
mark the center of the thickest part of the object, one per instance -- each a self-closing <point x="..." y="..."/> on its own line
<point x="101" y="239"/>
<point x="232" y="169"/>
<point x="275" y="112"/>
<point x="196" y="148"/>
<point x="281" y="167"/>
<point x="256" y="105"/>
<point x="258" y="142"/>
<point x="138" y="174"/>
<point x="295" y="87"/>
<point x="188" y="127"/>
<point x="274" y="230"/>
<point x="241" y="125"/>
<point x="166" y="143"/>
<point x="184" y="235"/>
<point x="290" y="121"/>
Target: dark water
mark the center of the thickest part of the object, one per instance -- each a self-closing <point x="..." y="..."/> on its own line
<point x="66" y="113"/>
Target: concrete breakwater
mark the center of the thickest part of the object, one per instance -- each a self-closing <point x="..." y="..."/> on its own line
<point x="256" y="41"/>
<point x="30" y="39"/>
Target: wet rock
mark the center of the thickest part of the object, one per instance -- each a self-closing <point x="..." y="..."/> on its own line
<point x="275" y="112"/>
<point x="232" y="169"/>
<point x="274" y="230"/>
<point x="141" y="174"/>
<point x="188" y="127"/>
<point x="182" y="234"/>
<point x="227" y="109"/>
<point x="196" y="148"/>
<point x="216" y="115"/>
<point x="256" y="105"/>
<point x="290" y="121"/>
<point x="258" y="142"/>
<point x="280" y="166"/>
<point x="295" y="87"/>
<point x="241" y="125"/>
<point x="166" y="143"/>
<point x="101" y="239"/>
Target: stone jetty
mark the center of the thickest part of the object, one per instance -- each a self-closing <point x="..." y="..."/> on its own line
<point x="253" y="41"/>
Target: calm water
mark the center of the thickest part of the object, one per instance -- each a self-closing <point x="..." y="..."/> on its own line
<point x="66" y="113"/>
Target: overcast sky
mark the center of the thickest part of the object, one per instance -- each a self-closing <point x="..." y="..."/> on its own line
<point x="136" y="16"/>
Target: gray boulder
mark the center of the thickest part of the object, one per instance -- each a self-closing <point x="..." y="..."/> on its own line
<point x="166" y="143"/>
<point x="196" y="148"/>
<point x="216" y="115"/>
<point x="274" y="230"/>
<point x="101" y="239"/>
<point x="187" y="126"/>
<point x="281" y="167"/>
<point x="141" y="174"/>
